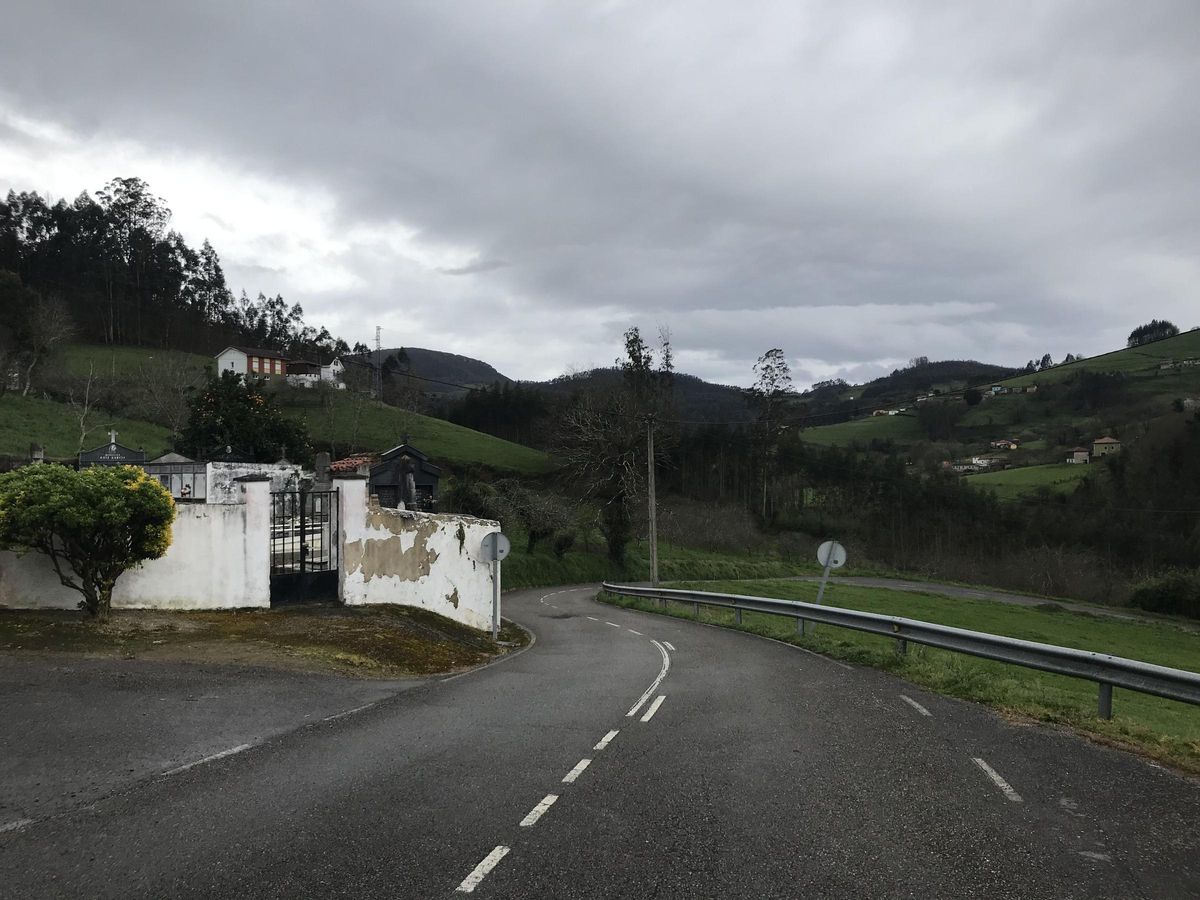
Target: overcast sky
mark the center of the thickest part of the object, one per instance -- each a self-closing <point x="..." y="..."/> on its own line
<point x="855" y="182"/>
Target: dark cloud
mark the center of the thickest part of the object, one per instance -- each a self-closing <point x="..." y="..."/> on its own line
<point x="855" y="182"/>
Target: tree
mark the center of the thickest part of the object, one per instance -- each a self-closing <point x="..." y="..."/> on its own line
<point x="94" y="524"/>
<point x="232" y="412"/>
<point x="1069" y="358"/>
<point x="1046" y="362"/>
<point x="1154" y="330"/>
<point x="770" y="394"/>
<point x="972" y="396"/>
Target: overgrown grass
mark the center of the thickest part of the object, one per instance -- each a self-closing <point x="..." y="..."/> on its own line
<point x="1159" y="728"/>
<point x="26" y="420"/>
<point x="1009" y="483"/>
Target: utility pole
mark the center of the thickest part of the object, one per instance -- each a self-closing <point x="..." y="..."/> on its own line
<point x="652" y="501"/>
<point x="377" y="369"/>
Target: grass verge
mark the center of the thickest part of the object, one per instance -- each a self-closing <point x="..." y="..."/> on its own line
<point x="1158" y="728"/>
<point x="372" y="642"/>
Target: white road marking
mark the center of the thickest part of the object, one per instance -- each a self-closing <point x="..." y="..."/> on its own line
<point x="348" y="712"/>
<point x="1093" y="855"/>
<point x="638" y="633"/>
<point x="604" y="741"/>
<point x="613" y="624"/>
<point x="537" y="812"/>
<point x="666" y="667"/>
<point x="555" y="605"/>
<point x="577" y="771"/>
<point x="232" y="750"/>
<point x="593" y="618"/>
<point x="1004" y="786"/>
<point x="915" y="705"/>
<point x="654" y="707"/>
<point x="17" y="824"/>
<point x="480" y="871"/>
<point x="669" y="646"/>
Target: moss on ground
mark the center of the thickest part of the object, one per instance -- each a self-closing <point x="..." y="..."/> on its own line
<point x="384" y="642"/>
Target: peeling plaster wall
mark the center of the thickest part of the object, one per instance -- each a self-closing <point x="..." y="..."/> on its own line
<point x="415" y="559"/>
<point x="224" y="487"/>
<point x="218" y="559"/>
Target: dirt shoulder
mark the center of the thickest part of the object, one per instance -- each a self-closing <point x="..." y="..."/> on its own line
<point x="366" y="642"/>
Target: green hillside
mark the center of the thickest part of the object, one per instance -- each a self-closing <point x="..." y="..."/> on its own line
<point x="1011" y="483"/>
<point x="26" y="420"/>
<point x="1144" y="360"/>
<point x="902" y="429"/>
<point x="353" y="422"/>
<point x="78" y="359"/>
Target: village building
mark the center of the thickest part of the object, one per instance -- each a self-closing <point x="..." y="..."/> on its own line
<point x="405" y="475"/>
<point x="249" y="361"/>
<point x="301" y="373"/>
<point x="1105" y="446"/>
<point x="111" y="454"/>
<point x="1080" y="455"/>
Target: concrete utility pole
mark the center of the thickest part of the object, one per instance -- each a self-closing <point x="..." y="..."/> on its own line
<point x="652" y="501"/>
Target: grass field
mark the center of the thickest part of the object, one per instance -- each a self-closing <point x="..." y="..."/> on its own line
<point x="356" y="422"/>
<point x="1132" y="360"/>
<point x="901" y="429"/>
<point x="26" y="420"/>
<point x="77" y="359"/>
<point x="1011" y="483"/>
<point x="1162" y="729"/>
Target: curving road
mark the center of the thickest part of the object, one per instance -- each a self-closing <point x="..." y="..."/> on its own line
<point x="630" y="755"/>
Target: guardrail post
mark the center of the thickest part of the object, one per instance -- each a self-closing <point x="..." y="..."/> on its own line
<point x="800" y="627"/>
<point x="737" y="616"/>
<point x="1105" y="701"/>
<point x="696" y="609"/>
<point x="901" y="646"/>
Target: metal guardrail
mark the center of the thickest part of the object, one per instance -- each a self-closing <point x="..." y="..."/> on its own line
<point x="1107" y="671"/>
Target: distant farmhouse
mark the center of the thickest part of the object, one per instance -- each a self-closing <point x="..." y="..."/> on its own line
<point x="1105" y="446"/>
<point x="248" y="361"/>
<point x="1080" y="455"/>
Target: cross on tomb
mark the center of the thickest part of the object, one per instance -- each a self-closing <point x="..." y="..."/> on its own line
<point x="112" y="436"/>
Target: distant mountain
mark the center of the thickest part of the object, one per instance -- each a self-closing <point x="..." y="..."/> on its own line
<point x="437" y="365"/>
<point x="695" y="398"/>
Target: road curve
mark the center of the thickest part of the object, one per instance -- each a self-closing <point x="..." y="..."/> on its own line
<point x="631" y="755"/>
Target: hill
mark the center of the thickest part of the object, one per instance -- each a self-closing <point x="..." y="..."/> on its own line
<point x="439" y="366"/>
<point x="28" y="420"/>
<point x="1145" y="360"/>
<point x="695" y="399"/>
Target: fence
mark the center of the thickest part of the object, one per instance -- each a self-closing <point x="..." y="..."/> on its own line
<point x="1107" y="671"/>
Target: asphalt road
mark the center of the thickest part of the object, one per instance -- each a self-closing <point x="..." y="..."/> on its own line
<point x="763" y="772"/>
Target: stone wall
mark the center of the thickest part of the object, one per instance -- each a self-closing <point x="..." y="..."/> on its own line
<point x="218" y="559"/>
<point x="427" y="560"/>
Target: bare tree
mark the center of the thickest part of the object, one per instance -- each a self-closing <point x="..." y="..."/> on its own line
<point x="47" y="326"/>
<point x="167" y="385"/>
<point x="82" y="407"/>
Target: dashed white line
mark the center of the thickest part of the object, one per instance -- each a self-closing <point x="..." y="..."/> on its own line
<point x="348" y="712"/>
<point x="915" y="705"/>
<point x="638" y="633"/>
<point x="606" y="740"/>
<point x="666" y="666"/>
<point x="480" y="871"/>
<point x="669" y="646"/>
<point x="593" y="618"/>
<point x="232" y="750"/>
<point x="613" y="624"/>
<point x="570" y="777"/>
<point x="654" y="707"/>
<point x="537" y="812"/>
<point x="18" y="824"/>
<point x="1005" y="787"/>
<point x="555" y="605"/>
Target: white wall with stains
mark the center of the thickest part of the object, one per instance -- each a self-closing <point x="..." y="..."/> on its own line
<point x="218" y="559"/>
<point x="427" y="560"/>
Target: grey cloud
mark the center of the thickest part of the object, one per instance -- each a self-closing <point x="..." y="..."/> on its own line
<point x="858" y="183"/>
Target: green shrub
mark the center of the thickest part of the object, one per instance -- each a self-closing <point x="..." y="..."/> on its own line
<point x="1176" y="591"/>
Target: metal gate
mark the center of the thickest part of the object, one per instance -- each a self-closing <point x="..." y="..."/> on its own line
<point x="305" y="546"/>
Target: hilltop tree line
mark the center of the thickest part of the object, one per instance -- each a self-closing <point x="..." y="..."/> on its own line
<point x="111" y="266"/>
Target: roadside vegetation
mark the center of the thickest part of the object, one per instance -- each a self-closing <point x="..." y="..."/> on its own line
<point x="1011" y="483"/>
<point x="1162" y="729"/>
<point x="369" y="642"/>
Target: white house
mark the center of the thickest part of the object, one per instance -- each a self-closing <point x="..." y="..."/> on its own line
<point x="310" y="374"/>
<point x="252" y="361"/>
<point x="334" y="373"/>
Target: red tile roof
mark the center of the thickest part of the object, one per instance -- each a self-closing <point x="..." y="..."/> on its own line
<point x="350" y="463"/>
